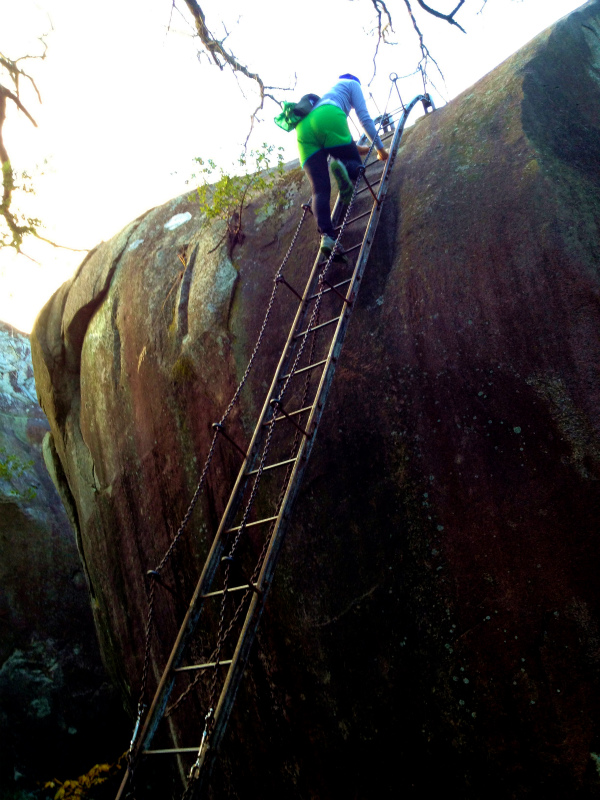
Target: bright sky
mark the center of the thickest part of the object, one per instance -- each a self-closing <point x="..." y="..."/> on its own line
<point x="127" y="102"/>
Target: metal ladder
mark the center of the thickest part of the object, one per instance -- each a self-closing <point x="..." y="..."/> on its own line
<point x="252" y="529"/>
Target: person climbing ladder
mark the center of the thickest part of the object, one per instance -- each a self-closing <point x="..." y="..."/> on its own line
<point x="324" y="132"/>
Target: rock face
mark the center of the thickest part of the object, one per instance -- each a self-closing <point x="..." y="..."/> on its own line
<point x="55" y="703"/>
<point x="434" y="623"/>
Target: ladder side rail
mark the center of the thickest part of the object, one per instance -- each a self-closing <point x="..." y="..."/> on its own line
<point x="263" y="583"/>
<point x="187" y="628"/>
<point x="239" y="660"/>
<point x="235" y="672"/>
<point x="204" y="584"/>
<point x="393" y="150"/>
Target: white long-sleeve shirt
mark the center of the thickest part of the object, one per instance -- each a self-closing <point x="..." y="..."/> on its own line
<point x="347" y="95"/>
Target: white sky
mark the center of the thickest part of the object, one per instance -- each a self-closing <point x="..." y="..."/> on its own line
<point x="127" y="104"/>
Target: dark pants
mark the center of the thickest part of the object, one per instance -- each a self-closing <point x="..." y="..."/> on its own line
<point x="318" y="174"/>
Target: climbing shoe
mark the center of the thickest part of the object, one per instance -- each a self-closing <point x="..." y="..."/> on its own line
<point x="346" y="187"/>
<point x="327" y="245"/>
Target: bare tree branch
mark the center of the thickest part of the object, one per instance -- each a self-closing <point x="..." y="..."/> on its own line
<point x="15" y="72"/>
<point x="222" y="58"/>
<point x="8" y="94"/>
<point x="29" y="228"/>
<point x="448" y="17"/>
<point x="380" y="8"/>
<point x="425" y="54"/>
<point x="215" y="48"/>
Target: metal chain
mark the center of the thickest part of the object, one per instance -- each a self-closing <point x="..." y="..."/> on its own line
<point x="250" y="503"/>
<point x="261" y="557"/>
<point x="234" y="546"/>
<point x="166" y="557"/>
<point x="235" y="396"/>
<point x="313" y="320"/>
<point x="146" y="667"/>
<point x="196" y="680"/>
<point x="193" y="683"/>
<point x="276" y="282"/>
<point x="191" y="506"/>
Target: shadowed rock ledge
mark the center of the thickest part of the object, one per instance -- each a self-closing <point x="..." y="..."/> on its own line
<point x="56" y="706"/>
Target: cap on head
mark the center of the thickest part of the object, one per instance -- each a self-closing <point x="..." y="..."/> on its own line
<point x="350" y="77"/>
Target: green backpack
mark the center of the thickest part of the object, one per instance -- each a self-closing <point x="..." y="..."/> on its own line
<point x="293" y="113"/>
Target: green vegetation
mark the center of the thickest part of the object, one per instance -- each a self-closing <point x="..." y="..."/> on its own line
<point x="228" y="197"/>
<point x="183" y="370"/>
<point x="16" y="225"/>
<point x="13" y="468"/>
<point x="84" y="786"/>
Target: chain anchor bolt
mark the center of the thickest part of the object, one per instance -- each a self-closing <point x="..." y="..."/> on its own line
<point x="369" y="187"/>
<point x="277" y="404"/>
<point x="333" y="288"/>
<point x="220" y="428"/>
<point x="281" y="279"/>
<point x="155" y="575"/>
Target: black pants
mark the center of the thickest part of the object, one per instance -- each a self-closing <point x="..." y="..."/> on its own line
<point x="318" y="174"/>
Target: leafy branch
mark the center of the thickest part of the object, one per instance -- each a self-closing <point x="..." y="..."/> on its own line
<point x="82" y="787"/>
<point x="13" y="469"/>
<point x="228" y="197"/>
<point x="17" y="230"/>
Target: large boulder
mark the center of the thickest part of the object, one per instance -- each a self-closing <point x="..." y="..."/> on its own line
<point x="55" y="703"/>
<point x="434" y="623"/>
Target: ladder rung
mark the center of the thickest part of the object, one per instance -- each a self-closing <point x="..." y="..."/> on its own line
<point x="249" y="525"/>
<point x="272" y="466"/>
<point x="347" y="250"/>
<point x="355" y="219"/>
<point x="291" y="414"/>
<point x="329" y="289"/>
<point x="305" y="369"/>
<point x="210" y="664"/>
<point x="219" y="592"/>
<point x="366" y="188"/>
<point x="322" y="325"/>
<point x="171" y="751"/>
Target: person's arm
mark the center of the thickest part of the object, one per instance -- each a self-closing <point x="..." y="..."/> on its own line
<point x="364" y="150"/>
<point x="359" y="105"/>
